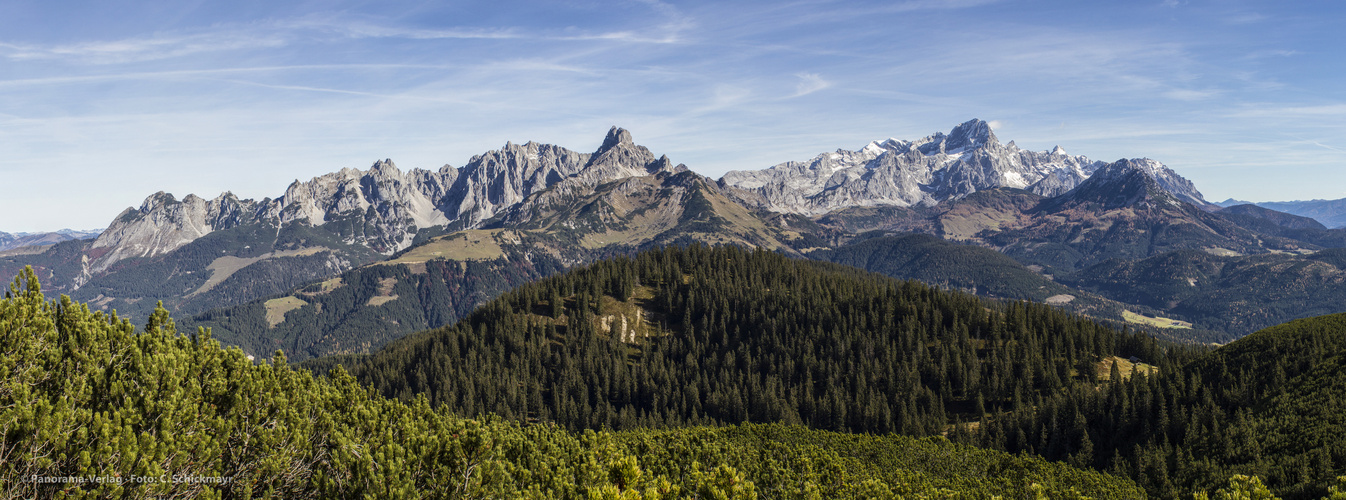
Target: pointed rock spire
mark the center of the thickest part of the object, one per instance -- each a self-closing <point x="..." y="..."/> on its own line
<point x="971" y="133"/>
<point x="616" y="136"/>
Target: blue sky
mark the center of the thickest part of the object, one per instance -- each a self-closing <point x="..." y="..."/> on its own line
<point x="103" y="103"/>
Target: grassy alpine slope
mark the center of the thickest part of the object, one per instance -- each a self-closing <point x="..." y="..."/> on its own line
<point x="157" y="413"/>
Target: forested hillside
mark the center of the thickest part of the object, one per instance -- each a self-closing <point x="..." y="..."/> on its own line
<point x="932" y="260"/>
<point x="91" y="408"/>
<point x="725" y="335"/>
<point x="1272" y="404"/>
<point x="722" y="335"/>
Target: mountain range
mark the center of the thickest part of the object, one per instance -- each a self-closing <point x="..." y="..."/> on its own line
<point x="733" y="332"/>
<point x="528" y="210"/>
<point x="42" y="240"/>
<point x="928" y="171"/>
<point x="1330" y="213"/>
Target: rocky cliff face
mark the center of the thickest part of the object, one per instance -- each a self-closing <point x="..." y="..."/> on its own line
<point x="906" y="173"/>
<point x="498" y="179"/>
<point x="382" y="207"/>
<point x="163" y="224"/>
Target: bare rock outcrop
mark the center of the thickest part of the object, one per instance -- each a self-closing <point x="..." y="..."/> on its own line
<point x="383" y="207"/>
<point x="905" y="173"/>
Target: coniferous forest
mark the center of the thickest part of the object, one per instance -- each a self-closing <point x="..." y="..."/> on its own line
<point x="92" y="408"/>
<point x="726" y="336"/>
<point x="679" y="373"/>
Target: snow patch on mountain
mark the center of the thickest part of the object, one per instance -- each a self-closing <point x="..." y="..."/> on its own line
<point x="906" y="173"/>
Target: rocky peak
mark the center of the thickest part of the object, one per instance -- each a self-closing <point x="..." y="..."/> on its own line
<point x="388" y="204"/>
<point x="616" y="136"/>
<point x="163" y="224"/>
<point x="618" y="158"/>
<point x="970" y="134"/>
<point x="1128" y="182"/>
<point x="618" y="147"/>
<point x="386" y="167"/>
<point x="936" y="168"/>
<point x="1168" y="180"/>
<point x="156" y="200"/>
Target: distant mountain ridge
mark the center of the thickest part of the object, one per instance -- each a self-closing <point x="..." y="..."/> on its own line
<point x="1331" y="213"/>
<point x="903" y="173"/>
<point x="198" y="249"/>
<point x="385" y="204"/>
<point x="19" y="240"/>
<point x="383" y="208"/>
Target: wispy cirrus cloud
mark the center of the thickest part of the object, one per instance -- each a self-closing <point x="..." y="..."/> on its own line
<point x="1190" y="94"/>
<point x="211" y="73"/>
<point x="809" y="83"/>
<point x="271" y="34"/>
<point x="1264" y="111"/>
<point x="144" y="48"/>
<point x="916" y="5"/>
<point x="718" y="86"/>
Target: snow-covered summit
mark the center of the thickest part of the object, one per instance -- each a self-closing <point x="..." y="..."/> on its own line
<point x="1128" y="181"/>
<point x="905" y="173"/>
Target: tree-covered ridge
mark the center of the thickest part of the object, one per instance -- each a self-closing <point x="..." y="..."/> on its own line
<point x="724" y="335"/>
<point x="700" y="335"/>
<point x="90" y="408"/>
<point x="984" y="272"/>
<point x="936" y="261"/>
<point x="1270" y="405"/>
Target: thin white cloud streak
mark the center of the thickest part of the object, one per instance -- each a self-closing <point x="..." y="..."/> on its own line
<point x="144" y="48"/>
<point x="274" y="34"/>
<point x="1059" y="56"/>
<point x="180" y="74"/>
<point x="1190" y="95"/>
<point x="809" y="83"/>
<point x="1263" y="54"/>
<point x="359" y="29"/>
<point x="919" y="5"/>
<point x="1335" y="110"/>
<point x="1324" y="146"/>
<point x="365" y="29"/>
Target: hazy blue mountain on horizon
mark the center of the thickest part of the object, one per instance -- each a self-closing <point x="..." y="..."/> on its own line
<point x="10" y="241"/>
<point x="1331" y="213"/>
